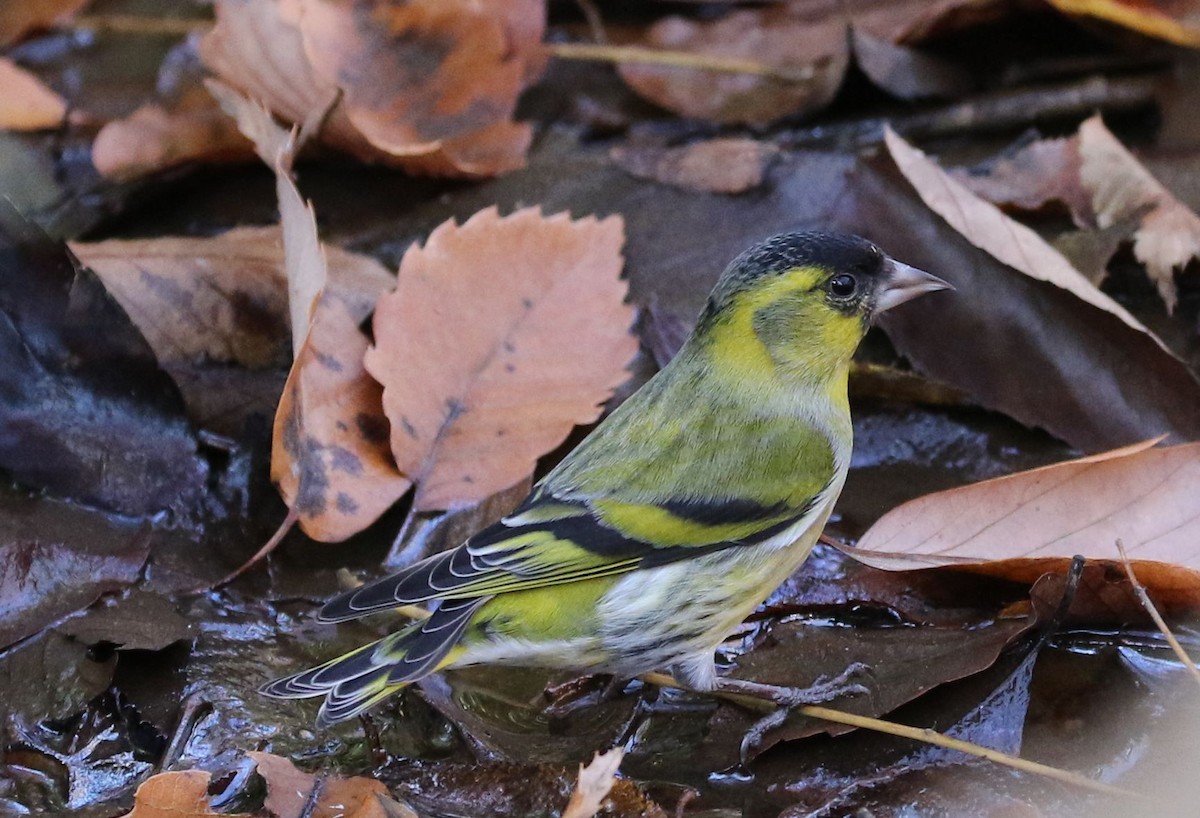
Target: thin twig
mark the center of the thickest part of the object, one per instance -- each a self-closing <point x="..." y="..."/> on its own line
<point x="927" y="736"/>
<point x="679" y="59"/>
<point x="1148" y="604"/>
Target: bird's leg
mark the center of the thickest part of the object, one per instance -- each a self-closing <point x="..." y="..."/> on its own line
<point x="788" y="698"/>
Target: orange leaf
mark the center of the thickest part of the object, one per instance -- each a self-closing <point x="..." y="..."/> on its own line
<point x="222" y="298"/>
<point x="155" y="138"/>
<point x="1149" y="498"/>
<point x="329" y="450"/>
<point x="174" y="795"/>
<point x="26" y="104"/>
<point x="429" y="85"/>
<point x="19" y="18"/>
<point x="595" y="782"/>
<point x="501" y="336"/>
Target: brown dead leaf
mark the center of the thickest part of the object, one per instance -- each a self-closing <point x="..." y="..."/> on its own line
<point x="289" y="791"/>
<point x="913" y="21"/>
<point x="430" y="85"/>
<point x="1175" y="22"/>
<point x="1121" y="187"/>
<point x="729" y="165"/>
<point x="1147" y="497"/>
<point x="329" y="452"/>
<point x="1041" y="172"/>
<point x="156" y="137"/>
<point x="174" y="795"/>
<point x="221" y="298"/>
<point x="20" y="18"/>
<point x="26" y="104"/>
<point x="985" y="226"/>
<point x="596" y="779"/>
<point x="501" y="335"/>
<point x="809" y="46"/>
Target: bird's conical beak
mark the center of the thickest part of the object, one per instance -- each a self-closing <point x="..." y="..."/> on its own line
<point x="905" y="283"/>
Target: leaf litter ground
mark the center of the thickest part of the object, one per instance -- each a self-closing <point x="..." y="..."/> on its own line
<point x="963" y="652"/>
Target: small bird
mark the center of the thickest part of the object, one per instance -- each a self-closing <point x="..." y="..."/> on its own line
<point x="676" y="517"/>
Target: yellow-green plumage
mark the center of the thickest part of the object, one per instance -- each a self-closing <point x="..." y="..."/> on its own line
<point x="676" y="517"/>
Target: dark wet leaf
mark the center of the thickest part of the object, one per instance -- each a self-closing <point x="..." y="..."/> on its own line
<point x="49" y="677"/>
<point x="996" y="722"/>
<point x="140" y="620"/>
<point x="904" y="662"/>
<point x="85" y="412"/>
<point x="56" y="559"/>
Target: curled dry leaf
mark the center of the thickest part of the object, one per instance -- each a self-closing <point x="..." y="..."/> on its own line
<point x="1121" y="188"/>
<point x="596" y="779"/>
<point x="714" y="165"/>
<point x="1171" y="21"/>
<point x="221" y="298"/>
<point x="501" y="336"/>
<point x="429" y="85"/>
<point x="26" y="104"/>
<point x="803" y="54"/>
<point x="174" y="795"/>
<point x="19" y="19"/>
<point x="156" y="137"/>
<point x="1149" y="498"/>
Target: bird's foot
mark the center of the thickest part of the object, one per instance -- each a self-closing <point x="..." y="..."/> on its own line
<point x="789" y="698"/>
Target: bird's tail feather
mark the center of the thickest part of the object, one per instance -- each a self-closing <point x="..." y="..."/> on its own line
<point x="364" y="677"/>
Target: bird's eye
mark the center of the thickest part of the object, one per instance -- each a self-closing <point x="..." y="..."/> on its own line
<point x="843" y="285"/>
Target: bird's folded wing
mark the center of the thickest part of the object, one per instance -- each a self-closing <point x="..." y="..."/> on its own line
<point x="549" y="541"/>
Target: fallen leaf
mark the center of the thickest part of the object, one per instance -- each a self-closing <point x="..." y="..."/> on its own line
<point x="221" y="298"/>
<point x="304" y="257"/>
<point x="1044" y="171"/>
<point x="19" y="19"/>
<point x="156" y="137"/>
<point x="139" y="620"/>
<point x="1121" y="187"/>
<point x="728" y="165"/>
<point x="329" y="452"/>
<point x="182" y="794"/>
<point x="1174" y="22"/>
<point x="905" y="72"/>
<point x="596" y="779"/>
<point x="987" y="228"/>
<point x="26" y="104"/>
<point x="49" y="677"/>
<point x="86" y="411"/>
<point x="56" y="559"/>
<point x="289" y="791"/>
<point x="913" y="21"/>
<point x="430" y="86"/>
<point x="501" y="336"/>
<point x="803" y="52"/>
<point x="1149" y="498"/>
